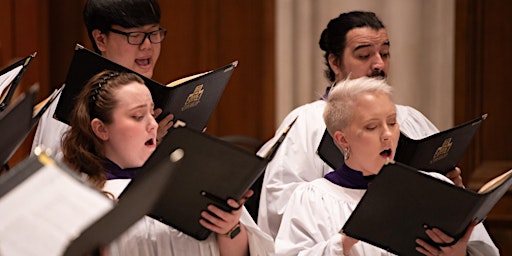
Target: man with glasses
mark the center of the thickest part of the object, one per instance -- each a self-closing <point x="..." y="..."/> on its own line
<point x="126" y="32"/>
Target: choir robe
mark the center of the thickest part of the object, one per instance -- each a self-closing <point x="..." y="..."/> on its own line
<point x="296" y="161"/>
<point x="150" y="237"/>
<point x="317" y="211"/>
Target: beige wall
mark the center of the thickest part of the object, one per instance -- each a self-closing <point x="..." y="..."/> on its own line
<point x="422" y="38"/>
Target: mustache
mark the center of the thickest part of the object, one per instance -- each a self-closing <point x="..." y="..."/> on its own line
<point x="378" y="73"/>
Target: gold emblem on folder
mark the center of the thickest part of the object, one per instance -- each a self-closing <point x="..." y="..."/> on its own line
<point x="442" y="151"/>
<point x="194" y="98"/>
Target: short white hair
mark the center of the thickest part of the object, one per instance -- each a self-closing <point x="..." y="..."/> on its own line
<point x="341" y="99"/>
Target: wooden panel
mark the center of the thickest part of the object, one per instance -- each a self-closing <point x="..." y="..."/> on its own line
<point x="482" y="85"/>
<point x="244" y="36"/>
<point x="6" y="35"/>
<point x="66" y="28"/>
<point x="29" y="27"/>
<point x="205" y="35"/>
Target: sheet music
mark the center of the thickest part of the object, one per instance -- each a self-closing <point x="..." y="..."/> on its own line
<point x="7" y="78"/>
<point x="46" y="211"/>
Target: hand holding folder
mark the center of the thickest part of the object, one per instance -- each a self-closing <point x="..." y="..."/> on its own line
<point x="212" y="171"/>
<point x="400" y="192"/>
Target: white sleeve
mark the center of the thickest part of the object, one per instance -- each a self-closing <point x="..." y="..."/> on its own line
<point x="260" y="243"/>
<point x="310" y="224"/>
<point x="413" y="123"/>
<point x="295" y="162"/>
<point x="49" y="131"/>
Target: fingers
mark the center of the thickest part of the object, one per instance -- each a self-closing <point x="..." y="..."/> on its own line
<point x="157" y="112"/>
<point x="163" y="126"/>
<point x="455" y="176"/>
<point x="439" y="237"/>
<point x="347" y="243"/>
<point x="237" y="205"/>
<point x="218" y="220"/>
<point x="445" y="244"/>
<point x="426" y="249"/>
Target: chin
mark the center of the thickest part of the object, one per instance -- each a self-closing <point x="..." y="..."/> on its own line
<point x="147" y="72"/>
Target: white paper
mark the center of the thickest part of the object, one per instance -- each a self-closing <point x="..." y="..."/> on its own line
<point x="46" y="211"/>
<point x="7" y="78"/>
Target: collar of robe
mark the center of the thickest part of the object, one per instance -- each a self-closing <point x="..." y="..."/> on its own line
<point x="113" y="171"/>
<point x="327" y="90"/>
<point x="349" y="178"/>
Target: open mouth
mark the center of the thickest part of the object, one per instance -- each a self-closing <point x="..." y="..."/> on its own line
<point x="149" y="142"/>
<point x="386" y="153"/>
<point x="142" y="62"/>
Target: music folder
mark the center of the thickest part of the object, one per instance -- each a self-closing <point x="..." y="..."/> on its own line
<point x="152" y="181"/>
<point x="401" y="203"/>
<point x="191" y="100"/>
<point x="212" y="171"/>
<point x="10" y="78"/>
<point x="15" y="124"/>
<point x="439" y="152"/>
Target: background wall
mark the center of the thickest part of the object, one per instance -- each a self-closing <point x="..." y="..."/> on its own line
<point x="422" y="51"/>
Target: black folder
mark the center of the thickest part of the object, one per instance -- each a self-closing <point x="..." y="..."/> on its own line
<point x="439" y="152"/>
<point x="401" y="203"/>
<point x="329" y="152"/>
<point x="137" y="202"/>
<point x="15" y="124"/>
<point x="8" y="92"/>
<point x="192" y="101"/>
<point x="212" y="171"/>
<point x="43" y="106"/>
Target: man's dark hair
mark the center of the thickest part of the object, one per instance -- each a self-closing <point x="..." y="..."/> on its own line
<point x="102" y="14"/>
<point x="333" y="38"/>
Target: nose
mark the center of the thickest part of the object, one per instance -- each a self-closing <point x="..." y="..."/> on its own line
<point x="152" y="125"/>
<point x="378" y="63"/>
<point x="387" y="133"/>
<point x="146" y="43"/>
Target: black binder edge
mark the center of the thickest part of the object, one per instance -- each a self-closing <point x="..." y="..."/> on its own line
<point x="15" y="82"/>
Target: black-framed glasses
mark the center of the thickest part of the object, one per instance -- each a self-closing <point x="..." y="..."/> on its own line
<point x="137" y="38"/>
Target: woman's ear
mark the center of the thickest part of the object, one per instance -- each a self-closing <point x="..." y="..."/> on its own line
<point x="99" y="129"/>
<point x="340" y="139"/>
<point x="99" y="39"/>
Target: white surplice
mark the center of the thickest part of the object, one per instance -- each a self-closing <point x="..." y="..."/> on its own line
<point x="317" y="211"/>
<point x="296" y="160"/>
<point x="150" y="237"/>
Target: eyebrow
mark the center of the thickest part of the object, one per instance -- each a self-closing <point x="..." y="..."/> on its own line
<point x="369" y="45"/>
<point x="141" y="106"/>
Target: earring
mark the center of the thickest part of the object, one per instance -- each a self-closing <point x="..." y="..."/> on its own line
<point x="346" y="154"/>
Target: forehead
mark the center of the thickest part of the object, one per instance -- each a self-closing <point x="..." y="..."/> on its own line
<point x="132" y="94"/>
<point x="149" y="27"/>
<point x="373" y="105"/>
<point x="365" y="36"/>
